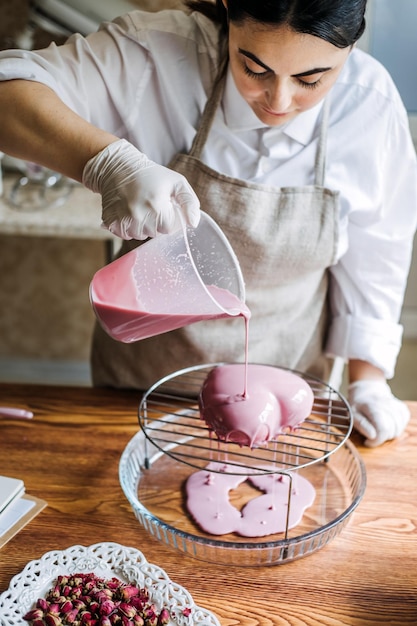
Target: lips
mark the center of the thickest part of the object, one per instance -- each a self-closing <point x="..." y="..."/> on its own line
<point x="275" y="114"/>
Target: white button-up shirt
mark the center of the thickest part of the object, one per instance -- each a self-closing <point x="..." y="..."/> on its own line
<point x="147" y="76"/>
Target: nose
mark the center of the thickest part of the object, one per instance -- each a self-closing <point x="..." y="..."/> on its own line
<point x="279" y="96"/>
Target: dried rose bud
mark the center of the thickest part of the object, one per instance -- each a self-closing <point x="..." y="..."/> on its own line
<point x="72" y="616"/>
<point x="90" y="585"/>
<point x="137" y="602"/>
<point x="78" y="604"/>
<point x="138" y="620"/>
<point x="151" y="618"/>
<point x="129" y="591"/>
<point x="113" y="583"/>
<point x="42" y="604"/>
<point x="105" y="594"/>
<point x="53" y="608"/>
<point x="150" y="611"/>
<point x="94" y="606"/>
<point x="52" y="620"/>
<point x="107" y="607"/>
<point x="66" y="607"/>
<point x="127" y="609"/>
<point x="144" y="594"/>
<point x="34" y="614"/>
<point x="164" y="617"/>
<point x="85" y="616"/>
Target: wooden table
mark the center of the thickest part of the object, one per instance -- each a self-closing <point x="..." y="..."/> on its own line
<point x="69" y="454"/>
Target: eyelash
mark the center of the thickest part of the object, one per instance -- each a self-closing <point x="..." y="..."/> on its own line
<point x="257" y="75"/>
<point x="310" y="85"/>
<point x="260" y="75"/>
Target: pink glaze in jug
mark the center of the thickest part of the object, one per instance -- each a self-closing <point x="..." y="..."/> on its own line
<point x="169" y="282"/>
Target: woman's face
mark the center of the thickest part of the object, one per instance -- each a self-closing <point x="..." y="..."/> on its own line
<point x="281" y="73"/>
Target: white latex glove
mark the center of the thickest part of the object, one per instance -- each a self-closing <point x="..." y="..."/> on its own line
<point x="377" y="414"/>
<point x="139" y="198"/>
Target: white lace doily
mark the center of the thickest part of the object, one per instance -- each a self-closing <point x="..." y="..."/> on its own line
<point x="104" y="560"/>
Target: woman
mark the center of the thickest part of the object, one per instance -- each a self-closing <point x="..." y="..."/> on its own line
<point x="295" y="142"/>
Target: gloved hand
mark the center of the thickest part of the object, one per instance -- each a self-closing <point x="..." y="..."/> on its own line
<point x="139" y="197"/>
<point x="377" y="413"/>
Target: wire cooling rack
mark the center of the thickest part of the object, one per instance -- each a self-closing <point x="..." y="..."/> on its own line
<point x="170" y="419"/>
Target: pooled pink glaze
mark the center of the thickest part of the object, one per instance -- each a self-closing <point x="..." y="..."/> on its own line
<point x="208" y="501"/>
<point x="252" y="412"/>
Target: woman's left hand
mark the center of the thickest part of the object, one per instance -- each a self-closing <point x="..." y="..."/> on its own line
<point x="377" y="414"/>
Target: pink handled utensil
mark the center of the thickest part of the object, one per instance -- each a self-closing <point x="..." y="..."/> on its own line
<point x="8" y="411"/>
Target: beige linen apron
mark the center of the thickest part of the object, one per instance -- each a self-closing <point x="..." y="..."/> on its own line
<point x="285" y="239"/>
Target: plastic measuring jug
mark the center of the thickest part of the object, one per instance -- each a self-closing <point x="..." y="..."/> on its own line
<point x="169" y="282"/>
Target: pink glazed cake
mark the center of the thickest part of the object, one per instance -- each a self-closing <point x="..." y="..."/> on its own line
<point x="252" y="414"/>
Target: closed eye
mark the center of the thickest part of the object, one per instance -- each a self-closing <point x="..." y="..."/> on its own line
<point x="253" y="74"/>
<point x="268" y="71"/>
<point x="313" y="85"/>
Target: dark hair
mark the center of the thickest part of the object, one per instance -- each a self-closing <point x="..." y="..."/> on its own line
<point x="340" y="22"/>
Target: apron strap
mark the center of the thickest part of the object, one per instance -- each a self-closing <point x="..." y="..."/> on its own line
<point x="209" y="110"/>
<point x="320" y="164"/>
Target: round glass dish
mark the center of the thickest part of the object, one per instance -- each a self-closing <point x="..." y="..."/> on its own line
<point x="158" y="460"/>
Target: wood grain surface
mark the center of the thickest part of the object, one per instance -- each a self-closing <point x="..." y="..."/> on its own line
<point x="69" y="454"/>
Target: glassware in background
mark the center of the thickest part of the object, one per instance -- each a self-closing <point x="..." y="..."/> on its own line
<point x="39" y="188"/>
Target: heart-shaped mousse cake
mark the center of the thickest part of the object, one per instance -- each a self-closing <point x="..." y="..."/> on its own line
<point x="275" y="399"/>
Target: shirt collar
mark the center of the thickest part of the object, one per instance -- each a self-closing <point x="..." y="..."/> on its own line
<point x="240" y="117"/>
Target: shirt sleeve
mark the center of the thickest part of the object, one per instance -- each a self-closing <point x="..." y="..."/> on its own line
<point x="93" y="75"/>
<point x="132" y="78"/>
<point x="368" y="283"/>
